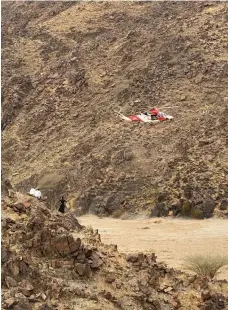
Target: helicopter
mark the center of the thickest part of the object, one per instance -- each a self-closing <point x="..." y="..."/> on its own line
<point x="153" y="115"/>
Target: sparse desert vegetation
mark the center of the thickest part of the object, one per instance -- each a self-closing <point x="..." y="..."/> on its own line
<point x="206" y="265"/>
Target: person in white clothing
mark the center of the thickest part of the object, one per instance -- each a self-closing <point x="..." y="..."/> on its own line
<point x="38" y="193"/>
<point x="32" y="191"/>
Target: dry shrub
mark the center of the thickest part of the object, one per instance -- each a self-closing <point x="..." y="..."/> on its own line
<point x="206" y="265"/>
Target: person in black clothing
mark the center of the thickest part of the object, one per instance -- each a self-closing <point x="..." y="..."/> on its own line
<point x="62" y="205"/>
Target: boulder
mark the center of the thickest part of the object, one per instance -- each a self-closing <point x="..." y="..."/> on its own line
<point x="110" y="278"/>
<point x="203" y="210"/>
<point x="95" y="261"/>
<point x="82" y="269"/>
<point x="160" y="209"/>
<point x="208" y="207"/>
<point x="223" y="205"/>
<point x="133" y="258"/>
<point x="19" y="208"/>
<point x="9" y="302"/>
<point x="66" y="244"/>
<point x="205" y="295"/>
<point x="70" y="222"/>
<point x="10" y="282"/>
<point x="222" y="274"/>
<point x="26" y="287"/>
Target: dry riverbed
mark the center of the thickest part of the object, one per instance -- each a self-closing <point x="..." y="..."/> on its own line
<point x="171" y="239"/>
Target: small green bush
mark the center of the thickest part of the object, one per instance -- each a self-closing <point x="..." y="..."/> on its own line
<point x="206" y="265"/>
<point x="197" y="214"/>
<point x="118" y="213"/>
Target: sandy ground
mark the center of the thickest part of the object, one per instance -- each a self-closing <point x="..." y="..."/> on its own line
<point x="171" y="239"/>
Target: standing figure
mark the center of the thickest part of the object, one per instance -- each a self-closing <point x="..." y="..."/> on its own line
<point x="62" y="205"/>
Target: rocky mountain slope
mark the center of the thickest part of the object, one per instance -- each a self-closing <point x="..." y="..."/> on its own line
<point x="50" y="261"/>
<point x="66" y="66"/>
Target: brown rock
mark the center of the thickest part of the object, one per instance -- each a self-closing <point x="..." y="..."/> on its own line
<point x="13" y="267"/>
<point x="70" y="222"/>
<point x="79" y="292"/>
<point x="22" y="303"/>
<point x="110" y="278"/>
<point x="88" y="252"/>
<point x="26" y="287"/>
<point x="205" y="295"/>
<point x="107" y="295"/>
<point x="132" y="258"/>
<point x="81" y="257"/>
<point x="223" y="205"/>
<point x="95" y="261"/>
<point x="112" y="247"/>
<point x="168" y="289"/>
<point x="10" y="282"/>
<point x="32" y="298"/>
<point x="19" y="207"/>
<point x="83" y="269"/>
<point x="10" y="302"/>
<point x="5" y="254"/>
<point x="94" y="297"/>
<point x="209" y="206"/>
<point x="183" y="97"/>
<point x="66" y="244"/>
<point x="143" y="283"/>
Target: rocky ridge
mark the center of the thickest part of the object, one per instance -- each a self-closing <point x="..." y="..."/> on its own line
<point x="50" y="261"/>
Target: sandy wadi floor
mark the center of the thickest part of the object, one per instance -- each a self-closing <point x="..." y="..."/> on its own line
<point x="171" y="239"/>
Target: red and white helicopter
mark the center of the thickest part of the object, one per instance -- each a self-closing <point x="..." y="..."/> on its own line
<point x="152" y="116"/>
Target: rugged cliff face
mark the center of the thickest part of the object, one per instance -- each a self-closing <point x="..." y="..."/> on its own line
<point x="50" y="261"/>
<point x="67" y="66"/>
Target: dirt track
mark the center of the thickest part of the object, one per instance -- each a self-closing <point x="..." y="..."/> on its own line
<point x="171" y="239"/>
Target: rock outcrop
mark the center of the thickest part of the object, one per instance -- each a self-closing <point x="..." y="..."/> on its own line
<point x="50" y="261"/>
